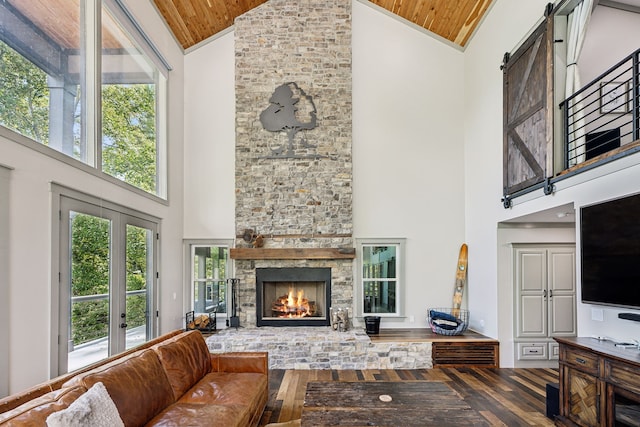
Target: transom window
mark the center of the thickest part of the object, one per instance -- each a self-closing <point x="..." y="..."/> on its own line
<point x="81" y="79"/>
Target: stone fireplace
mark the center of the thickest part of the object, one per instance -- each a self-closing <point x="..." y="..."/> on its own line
<point x="298" y="199"/>
<point x="293" y="296"/>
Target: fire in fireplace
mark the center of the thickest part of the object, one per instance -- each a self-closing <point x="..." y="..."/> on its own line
<point x="293" y="296"/>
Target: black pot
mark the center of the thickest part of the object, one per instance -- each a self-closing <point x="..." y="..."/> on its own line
<point x="372" y="324"/>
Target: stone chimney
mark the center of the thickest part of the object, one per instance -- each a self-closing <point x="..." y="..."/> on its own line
<point x="294" y="188"/>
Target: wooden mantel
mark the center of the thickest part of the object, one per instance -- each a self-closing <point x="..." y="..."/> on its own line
<point x="292" y="253"/>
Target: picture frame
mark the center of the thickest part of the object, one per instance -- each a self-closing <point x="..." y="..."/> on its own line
<point x="613" y="98"/>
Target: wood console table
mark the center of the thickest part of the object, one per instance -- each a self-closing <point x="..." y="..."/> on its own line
<point x="599" y="383"/>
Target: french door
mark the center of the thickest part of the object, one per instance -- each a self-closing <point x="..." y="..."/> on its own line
<point x="107" y="277"/>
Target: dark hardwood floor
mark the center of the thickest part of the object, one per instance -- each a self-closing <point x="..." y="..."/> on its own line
<point x="504" y="397"/>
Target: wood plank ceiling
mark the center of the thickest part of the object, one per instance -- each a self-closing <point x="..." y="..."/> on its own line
<point x="193" y="21"/>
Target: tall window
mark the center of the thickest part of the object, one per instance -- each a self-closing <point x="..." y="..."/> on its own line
<point x="90" y="86"/>
<point x="380" y="277"/>
<point x="210" y="267"/>
<point x="107" y="257"/>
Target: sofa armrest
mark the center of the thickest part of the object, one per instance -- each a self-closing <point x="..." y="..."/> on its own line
<point x="256" y="362"/>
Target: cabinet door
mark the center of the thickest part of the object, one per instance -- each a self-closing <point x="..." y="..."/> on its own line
<point x="562" y="291"/>
<point x="582" y="394"/>
<point x="531" y="290"/>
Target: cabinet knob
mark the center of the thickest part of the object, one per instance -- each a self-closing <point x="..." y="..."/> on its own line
<point x="581" y="361"/>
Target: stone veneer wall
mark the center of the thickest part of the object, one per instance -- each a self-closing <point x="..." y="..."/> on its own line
<point x="302" y="199"/>
<point x="323" y="348"/>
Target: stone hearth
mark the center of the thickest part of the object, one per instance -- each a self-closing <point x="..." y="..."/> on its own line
<point x="322" y="348"/>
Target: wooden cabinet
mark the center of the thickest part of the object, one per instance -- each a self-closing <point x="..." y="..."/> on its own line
<point x="545" y="299"/>
<point x="581" y="379"/>
<point x="599" y="383"/>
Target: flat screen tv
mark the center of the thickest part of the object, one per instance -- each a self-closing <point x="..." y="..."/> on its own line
<point x="610" y="252"/>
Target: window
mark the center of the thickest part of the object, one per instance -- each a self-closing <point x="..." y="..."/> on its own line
<point x="105" y="301"/>
<point x="51" y="91"/>
<point x="210" y="267"/>
<point x="380" y="277"/>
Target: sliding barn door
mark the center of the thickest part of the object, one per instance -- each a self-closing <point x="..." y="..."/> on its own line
<point x="528" y="111"/>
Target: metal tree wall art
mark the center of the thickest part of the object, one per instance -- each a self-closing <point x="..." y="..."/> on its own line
<point x="287" y="103"/>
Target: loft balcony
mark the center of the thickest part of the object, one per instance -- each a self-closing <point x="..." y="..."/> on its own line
<point x="598" y="124"/>
<point x="601" y="122"/>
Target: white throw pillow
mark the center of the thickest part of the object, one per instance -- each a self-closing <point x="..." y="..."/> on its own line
<point x="94" y="408"/>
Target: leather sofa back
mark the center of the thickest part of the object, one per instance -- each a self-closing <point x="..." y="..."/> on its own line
<point x="36" y="411"/>
<point x="17" y="399"/>
<point x="185" y="360"/>
<point x="138" y="386"/>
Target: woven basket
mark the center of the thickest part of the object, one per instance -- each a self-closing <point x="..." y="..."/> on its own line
<point x="448" y="321"/>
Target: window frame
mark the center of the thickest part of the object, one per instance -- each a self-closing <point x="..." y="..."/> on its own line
<point x="400" y="244"/>
<point x="91" y="115"/>
<point x="188" y="296"/>
<point x="60" y="196"/>
<point x="5" y="176"/>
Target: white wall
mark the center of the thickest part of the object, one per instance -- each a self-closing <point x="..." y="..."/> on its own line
<point x="505" y="26"/>
<point x="612" y="35"/>
<point x="209" y="114"/>
<point x="30" y="240"/>
<point x="408" y="152"/>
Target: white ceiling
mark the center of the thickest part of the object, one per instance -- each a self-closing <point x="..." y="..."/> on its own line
<point x="559" y="214"/>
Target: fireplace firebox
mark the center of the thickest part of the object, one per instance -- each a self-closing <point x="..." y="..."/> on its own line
<point x="298" y="296"/>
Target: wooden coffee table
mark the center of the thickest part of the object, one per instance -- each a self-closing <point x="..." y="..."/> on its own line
<point x="385" y="403"/>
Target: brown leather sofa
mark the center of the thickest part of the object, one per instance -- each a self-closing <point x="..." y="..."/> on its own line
<point x="172" y="381"/>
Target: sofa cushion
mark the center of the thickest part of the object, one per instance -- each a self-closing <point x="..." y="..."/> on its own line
<point x="224" y="388"/>
<point x="137" y="384"/>
<point x="240" y="362"/>
<point x="94" y="408"/>
<point x="198" y="415"/>
<point x="185" y="359"/>
<point x="36" y="411"/>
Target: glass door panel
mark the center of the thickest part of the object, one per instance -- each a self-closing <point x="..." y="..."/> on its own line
<point x="138" y="280"/>
<point x="90" y="243"/>
<point x="107" y="277"/>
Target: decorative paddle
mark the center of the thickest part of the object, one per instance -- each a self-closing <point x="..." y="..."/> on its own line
<point x="461" y="279"/>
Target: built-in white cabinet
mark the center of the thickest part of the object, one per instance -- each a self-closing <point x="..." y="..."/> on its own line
<point x="545" y="293"/>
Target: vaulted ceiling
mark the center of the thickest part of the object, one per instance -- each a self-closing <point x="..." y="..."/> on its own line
<point x="193" y="21"/>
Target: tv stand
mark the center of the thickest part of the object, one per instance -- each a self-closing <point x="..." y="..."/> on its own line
<point x="599" y="383"/>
